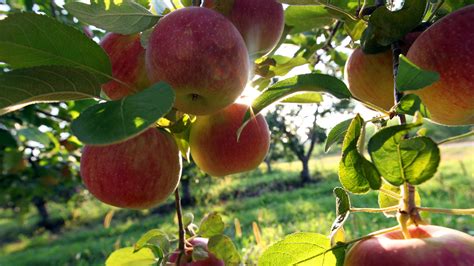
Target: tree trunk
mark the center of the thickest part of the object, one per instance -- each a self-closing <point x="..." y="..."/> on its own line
<point x="269" y="164"/>
<point x="305" y="175"/>
<point x="40" y="205"/>
<point x="186" y="197"/>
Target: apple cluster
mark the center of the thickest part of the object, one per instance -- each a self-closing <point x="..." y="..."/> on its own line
<point x="205" y="56"/>
<point x="445" y="47"/>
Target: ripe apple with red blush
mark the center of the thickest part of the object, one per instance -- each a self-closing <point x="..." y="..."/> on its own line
<point x="429" y="246"/>
<point x="127" y="57"/>
<point x="137" y="173"/>
<point x="370" y="76"/>
<point x="187" y="258"/>
<point x="202" y="56"/>
<point x="214" y="145"/>
<point x="261" y="23"/>
<point x="447" y="48"/>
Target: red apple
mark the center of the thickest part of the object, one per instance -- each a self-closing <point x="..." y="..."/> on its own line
<point x="429" y="246"/>
<point x="202" y="56"/>
<point x="138" y="173"/>
<point x="186" y="259"/>
<point x="127" y="57"/>
<point x="447" y="47"/>
<point x="214" y="145"/>
<point x="370" y="77"/>
<point x="260" y="22"/>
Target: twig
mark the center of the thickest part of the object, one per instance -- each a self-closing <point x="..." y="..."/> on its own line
<point x="448" y="211"/>
<point x="377" y="118"/>
<point x="390" y="193"/>
<point x="376" y="210"/>
<point x="181" y="231"/>
<point x="315" y="58"/>
<point x="408" y="205"/>
<point x="67" y="119"/>
<point x="465" y="135"/>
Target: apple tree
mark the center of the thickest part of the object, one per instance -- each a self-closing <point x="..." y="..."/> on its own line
<point x="168" y="77"/>
<point x="39" y="159"/>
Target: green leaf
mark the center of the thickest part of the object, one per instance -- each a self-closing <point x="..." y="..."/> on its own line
<point x="127" y="257"/>
<point x="11" y="159"/>
<point x="182" y="140"/>
<point x="356" y="173"/>
<point x="199" y="253"/>
<point x="420" y="157"/>
<point x="453" y="5"/>
<point x="305" y="97"/>
<point x="22" y="87"/>
<point x="369" y="43"/>
<point x="410" y="104"/>
<point x="343" y="207"/>
<point x="115" y="121"/>
<point x="154" y="236"/>
<point x="385" y="200"/>
<point x="126" y="17"/>
<point x="397" y="158"/>
<point x="336" y="135"/>
<point x="188" y="219"/>
<point x="355" y="29"/>
<point x="382" y="147"/>
<point x="306" y="82"/>
<point x="392" y="26"/>
<point x="223" y="248"/>
<point x="412" y="77"/>
<point x="211" y="225"/>
<point x="286" y="64"/>
<point x="29" y="40"/>
<point x="33" y="134"/>
<point x="7" y="139"/>
<point x="340" y="9"/>
<point x="306" y="18"/>
<point x="300" y="249"/>
<point x="343" y="202"/>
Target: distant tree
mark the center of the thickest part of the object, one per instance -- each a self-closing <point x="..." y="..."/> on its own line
<point x="39" y="159"/>
<point x="277" y="150"/>
<point x="287" y="131"/>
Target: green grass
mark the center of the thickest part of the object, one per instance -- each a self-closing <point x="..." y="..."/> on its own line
<point x="85" y="241"/>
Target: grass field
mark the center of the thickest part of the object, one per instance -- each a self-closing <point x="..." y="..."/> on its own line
<point x="85" y="240"/>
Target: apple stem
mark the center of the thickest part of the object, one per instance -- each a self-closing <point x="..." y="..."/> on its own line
<point x="408" y="211"/>
<point x="181" y="232"/>
<point x="448" y="211"/>
<point x="377" y="118"/>
<point x="196" y="2"/>
<point x="375" y="210"/>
